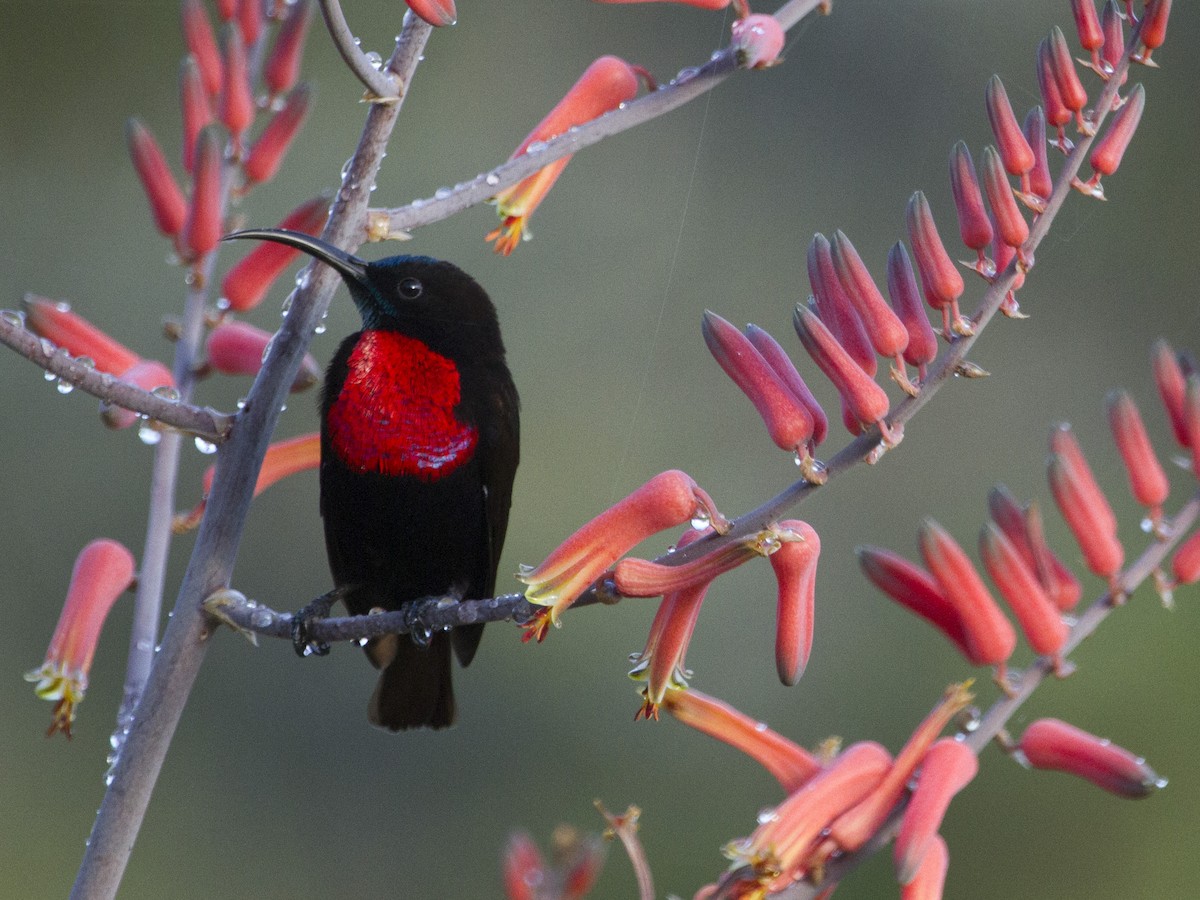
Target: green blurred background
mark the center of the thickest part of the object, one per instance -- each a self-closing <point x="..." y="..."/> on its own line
<point x="276" y="786"/>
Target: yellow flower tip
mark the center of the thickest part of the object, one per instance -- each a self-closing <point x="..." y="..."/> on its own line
<point x="56" y="681"/>
<point x="537" y="627"/>
<point x="510" y="233"/>
<point x="184" y="522"/>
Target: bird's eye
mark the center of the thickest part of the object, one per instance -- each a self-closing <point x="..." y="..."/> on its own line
<point x="410" y="288"/>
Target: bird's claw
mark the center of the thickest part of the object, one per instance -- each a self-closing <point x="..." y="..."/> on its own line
<point x="302" y="641"/>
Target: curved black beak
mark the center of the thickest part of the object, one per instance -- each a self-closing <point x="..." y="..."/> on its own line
<point x="345" y="264"/>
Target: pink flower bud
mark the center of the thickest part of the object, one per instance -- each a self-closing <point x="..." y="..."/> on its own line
<point x="148" y="374"/>
<point x="524" y="869"/>
<point x="973" y="222"/>
<point x="1070" y="88"/>
<point x="282" y="68"/>
<point x="1023" y="529"/>
<point x="834" y="306"/>
<point x="699" y="4"/>
<point x="1186" y="564"/>
<point x="203" y="227"/>
<point x="1080" y="502"/>
<point x="226" y="9"/>
<point x="930" y="878"/>
<point x="1019" y="586"/>
<point x="266" y="154"/>
<point x="1109" y="149"/>
<point x="198" y="35"/>
<point x="787" y="419"/>
<point x="914" y="589"/>
<point x="237" y="99"/>
<point x="1064" y="444"/>
<point x="1087" y="25"/>
<point x="778" y="360"/>
<point x="57" y="323"/>
<point x="250" y="20"/>
<point x="1057" y="113"/>
<point x="1041" y="185"/>
<point x="1010" y="224"/>
<point x="939" y="276"/>
<point x="166" y="199"/>
<point x="1054" y="744"/>
<point x="902" y="289"/>
<point x="665" y="501"/>
<point x="196" y="107"/>
<point x="103" y="570"/>
<point x="1015" y="152"/>
<point x="605" y="85"/>
<point x="1191" y="417"/>
<point x="1114" y="38"/>
<point x="245" y="285"/>
<point x="757" y="41"/>
<point x="948" y="767"/>
<point x="1147" y="480"/>
<point x="865" y="399"/>
<point x="1154" y="29"/>
<point x="1003" y="254"/>
<point x="989" y="635"/>
<point x="1169" y="378"/>
<point x="237" y="348"/>
<point x="789" y="763"/>
<point x="435" y="12"/>
<point x="795" y="565"/>
<point x="882" y="326"/>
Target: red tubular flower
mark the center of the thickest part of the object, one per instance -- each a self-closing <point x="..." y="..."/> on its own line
<point x="237" y="348"/>
<point x="1010" y="225"/>
<point x="148" y="374"/>
<point x="780" y="848"/>
<point x="948" y="767"/>
<point x="607" y="83"/>
<point x="267" y="152"/>
<point x="203" y="227"/>
<point x="524" y="868"/>
<point x="865" y="400"/>
<point x="1057" y="114"/>
<point x="973" y="222"/>
<point x="1107" y="153"/>
<point x="856" y="826"/>
<point x="196" y="107"/>
<point x="778" y="360"/>
<point x="283" y="458"/>
<point x="1172" y="386"/>
<point x="250" y="20"/>
<point x="166" y="199"/>
<point x="1019" y="586"/>
<point x="282" y="68"/>
<point x="1064" y="443"/>
<point x="1082" y="505"/>
<point x="914" y="589"/>
<point x="1070" y="88"/>
<point x="1054" y="744"/>
<point x="883" y="327"/>
<point x="665" y="501"/>
<point x="1147" y="480"/>
<point x="930" y="878"/>
<point x="990" y="636"/>
<point x="1022" y="526"/>
<point x="1191" y="418"/>
<point x="245" y="285"/>
<point x="940" y="278"/>
<point x="757" y="41"/>
<point x="1185" y="566"/>
<point x="198" y="35"/>
<point x="237" y="98"/>
<point x="787" y="419"/>
<point x="103" y="570"/>
<point x="789" y="763"/>
<point x="1087" y="26"/>
<point x="1114" y="39"/>
<point x="1041" y="185"/>
<point x="702" y="4"/>
<point x="795" y="565"/>
<point x="635" y="577"/>
<point x="1154" y="30"/>
<point x="435" y="12"/>
<point x="835" y="308"/>
<point x="55" y="321"/>
<point x="906" y="300"/>
<point x="1015" y="152"/>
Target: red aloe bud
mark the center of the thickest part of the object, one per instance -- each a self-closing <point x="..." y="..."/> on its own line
<point x="1087" y="25"/>
<point x="884" y="329"/>
<point x="524" y="868"/>
<point x="266" y="155"/>
<point x="237" y="348"/>
<point x="757" y="41"/>
<point x="902" y="289"/>
<point x="948" y="767"/>
<point x="635" y="577"/>
<point x="1147" y="480"/>
<point x="939" y="276"/>
<point x="1185" y="567"/>
<point x="1078" y="502"/>
<point x="1070" y="88"/>
<point x="1172" y="385"/>
<point x="1003" y="255"/>
<point x="866" y="400"/>
<point x="167" y="203"/>
<point x="237" y="99"/>
<point x="1040" y="184"/>
<point x="1060" y="583"/>
<point x="778" y="360"/>
<point x="148" y="374"/>
<point x="1107" y="153"/>
<point x="226" y="9"/>
<point x="1191" y="418"/>
<point x="1010" y="224"/>
<point x="1154" y="29"/>
<point x="1015" y="151"/>
<point x="1114" y="38"/>
<point x="930" y="878"/>
<point x="834" y="307"/>
<point x="196" y="107"/>
<point x="198" y="35"/>
<point x="973" y="222"/>
<point x="282" y="68"/>
<point x="203" y="227"/>
<point x="55" y="321"/>
<point x="1064" y="444"/>
<point x="250" y="20"/>
<point x="989" y="635"/>
<point x="787" y="419"/>
<point x="1057" y="113"/>
<point x="245" y="285"/>
<point x="795" y="565"/>
<point x="915" y="589"/>
<point x="435" y="12"/>
<point x="1054" y="744"/>
<point x="1019" y="586"/>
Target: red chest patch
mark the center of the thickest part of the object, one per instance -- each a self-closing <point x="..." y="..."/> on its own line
<point x="395" y="413"/>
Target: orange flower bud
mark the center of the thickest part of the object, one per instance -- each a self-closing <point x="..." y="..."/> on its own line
<point x="605" y="85"/>
<point x="203" y="227"/>
<point x="787" y="419"/>
<point x="1015" y="152"/>
<point x="1040" y="185"/>
<point x="55" y="321"/>
<point x="250" y="20"/>
<point x="1010" y="225"/>
<point x="237" y="99"/>
<point x="266" y="154"/>
<point x="1186" y="564"/>
<point x="1147" y="480"/>
<point x="166" y="199"/>
<point x="1107" y="153"/>
<point x="834" y="306"/>
<point x="1023" y="529"/>
<point x="103" y="570"/>
<point x="865" y="399"/>
<point x="245" y="285"/>
<point x="1019" y="586"/>
<point x="789" y="763"/>
<point x="1057" y="114"/>
<point x="990" y="636"/>
<point x="914" y="589"/>
<point x="282" y="68"/>
<point x="1064" y="443"/>
<point x="757" y="41"/>
<point x="198" y="35"/>
<point x="635" y="577"/>
<point x="524" y="869"/>
<point x="1087" y="25"/>
<point x="1054" y="744"/>
<point x="435" y="12"/>
<point x="1172" y="386"/>
<point x="1082" y="505"/>
<point x="930" y="879"/>
<point x="1070" y="88"/>
<point x="948" y="767"/>
<point x="665" y="501"/>
<point x="795" y="565"/>
<point x="148" y="374"/>
<point x="237" y="348"/>
<point x="882" y="326"/>
<point x="196" y="107"/>
<point x="226" y="9"/>
<point x="902" y="289"/>
<point x="973" y="223"/>
<point x="1154" y="29"/>
<point x="1114" y="38"/>
<point x="939" y="276"/>
<point x="283" y="458"/>
<point x="778" y="360"/>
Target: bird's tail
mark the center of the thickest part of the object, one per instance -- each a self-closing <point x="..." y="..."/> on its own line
<point x="414" y="689"/>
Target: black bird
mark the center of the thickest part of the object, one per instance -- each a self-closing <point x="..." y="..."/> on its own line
<point x="419" y="446"/>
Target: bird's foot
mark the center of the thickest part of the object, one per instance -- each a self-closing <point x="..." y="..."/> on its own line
<point x="302" y="619"/>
